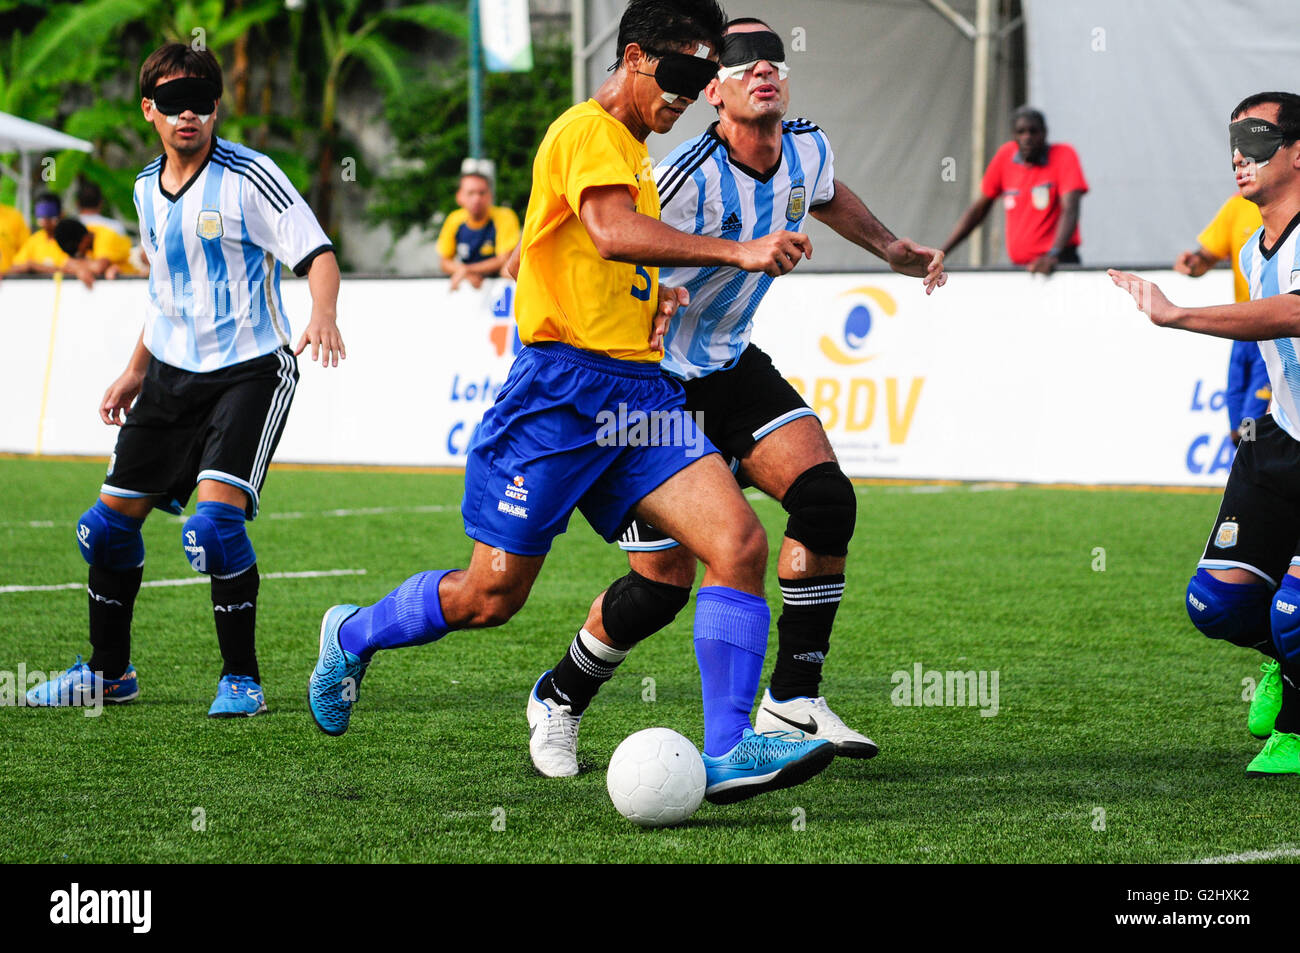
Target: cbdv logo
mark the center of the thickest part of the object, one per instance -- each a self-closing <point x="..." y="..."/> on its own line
<point x="851" y="404"/>
<point x="1209" y="453"/>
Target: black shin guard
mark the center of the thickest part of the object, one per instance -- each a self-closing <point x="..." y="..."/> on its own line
<point x="804" y="634"/>
<point x="234" y="607"/>
<point x="112" y="601"/>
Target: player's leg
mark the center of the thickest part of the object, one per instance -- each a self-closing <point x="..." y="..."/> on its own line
<point x="634" y="607"/>
<point x="1230" y="598"/>
<point x="796" y="465"/>
<point x="702" y="507"/>
<point x="146" y="459"/>
<point x="246" y="408"/>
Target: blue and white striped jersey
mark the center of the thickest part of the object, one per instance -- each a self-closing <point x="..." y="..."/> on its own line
<point x="1274" y="274"/>
<point x="701" y="190"/>
<point x="214" y="253"/>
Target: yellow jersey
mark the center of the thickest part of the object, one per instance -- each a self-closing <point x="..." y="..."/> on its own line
<point x="40" y="249"/>
<point x="13" y="232"/>
<point x="113" y="246"/>
<point x="1237" y="220"/>
<point x="461" y="240"/>
<point x="566" y="291"/>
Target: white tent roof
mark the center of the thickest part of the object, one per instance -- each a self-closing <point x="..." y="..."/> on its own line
<point x="25" y="138"/>
<point x="21" y="135"/>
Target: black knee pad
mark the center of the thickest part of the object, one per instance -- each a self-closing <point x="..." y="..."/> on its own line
<point x="823" y="510"/>
<point x="636" y="608"/>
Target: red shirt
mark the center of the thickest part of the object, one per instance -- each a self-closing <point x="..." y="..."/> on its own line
<point x="1032" y="197"/>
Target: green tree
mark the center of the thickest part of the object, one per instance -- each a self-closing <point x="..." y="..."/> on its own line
<point x="430" y="120"/>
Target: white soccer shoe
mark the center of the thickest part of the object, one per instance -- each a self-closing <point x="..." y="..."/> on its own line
<point x="552" y="735"/>
<point x="815" y="719"/>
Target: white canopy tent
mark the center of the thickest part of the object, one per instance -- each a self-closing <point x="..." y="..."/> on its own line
<point x="27" y="139"/>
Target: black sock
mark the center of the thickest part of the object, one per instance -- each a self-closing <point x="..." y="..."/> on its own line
<point x="804" y="634"/>
<point x="587" y="665"/>
<point x="1288" y="717"/>
<point x="112" y="601"/>
<point x="234" y="606"/>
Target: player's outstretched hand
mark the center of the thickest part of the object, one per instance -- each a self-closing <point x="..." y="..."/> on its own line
<point x="118" y="398"/>
<point x="326" y="342"/>
<point x="1150" y="300"/>
<point x="906" y="257"/>
<point x="670" y="299"/>
<point x="774" y="254"/>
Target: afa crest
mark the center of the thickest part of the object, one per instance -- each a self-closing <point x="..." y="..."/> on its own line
<point x="209" y="226"/>
<point x="1226" y="537"/>
<point x="795" y="207"/>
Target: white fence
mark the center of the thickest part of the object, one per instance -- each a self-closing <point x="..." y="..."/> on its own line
<point x="998" y="376"/>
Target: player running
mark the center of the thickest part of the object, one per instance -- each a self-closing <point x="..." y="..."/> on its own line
<point x="1247" y="585"/>
<point x="211" y="377"/>
<point x="748" y="175"/>
<point x="586" y="306"/>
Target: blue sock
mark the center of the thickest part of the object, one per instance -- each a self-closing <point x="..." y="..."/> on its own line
<point x="730" y="644"/>
<point x="409" y="615"/>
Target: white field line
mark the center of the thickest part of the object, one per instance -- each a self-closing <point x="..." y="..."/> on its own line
<point x="1252" y="856"/>
<point x="193" y="580"/>
<point x="333" y="514"/>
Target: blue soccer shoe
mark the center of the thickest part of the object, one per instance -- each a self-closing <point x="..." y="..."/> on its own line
<point x="336" y="681"/>
<point x="762" y="763"/>
<point x="238" y="696"/>
<point x="80" y="687"/>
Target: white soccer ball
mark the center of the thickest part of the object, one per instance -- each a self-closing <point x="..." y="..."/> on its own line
<point x="656" y="778"/>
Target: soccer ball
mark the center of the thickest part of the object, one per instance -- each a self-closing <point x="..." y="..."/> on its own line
<point x="656" y="778"/>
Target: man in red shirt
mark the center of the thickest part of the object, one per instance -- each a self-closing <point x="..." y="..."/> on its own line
<point x="1041" y="185"/>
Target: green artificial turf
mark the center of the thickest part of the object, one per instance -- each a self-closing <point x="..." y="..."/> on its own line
<point x="1109" y="701"/>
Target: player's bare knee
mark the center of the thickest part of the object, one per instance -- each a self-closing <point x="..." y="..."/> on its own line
<point x="742" y="554"/>
<point x="823" y="508"/>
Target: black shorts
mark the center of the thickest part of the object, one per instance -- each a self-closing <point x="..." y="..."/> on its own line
<point x="184" y="427"/>
<point x="738" y="407"/>
<point x="1258" y="526"/>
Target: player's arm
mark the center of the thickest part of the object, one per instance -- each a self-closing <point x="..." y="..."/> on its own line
<point x="323" y="330"/>
<point x="122" y="392"/>
<point x="969" y="221"/>
<point x="1195" y="263"/>
<point x="511" y="268"/>
<point x="1261" y="320"/>
<point x="621" y="233"/>
<point x="848" y="215"/>
<point x="1046" y="264"/>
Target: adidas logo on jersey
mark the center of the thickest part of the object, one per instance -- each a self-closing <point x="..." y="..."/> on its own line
<point x="731" y="223"/>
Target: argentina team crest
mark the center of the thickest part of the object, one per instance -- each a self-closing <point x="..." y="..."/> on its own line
<point x="1226" y="537"/>
<point x="209" y="226"/>
<point x="794" y="207"/>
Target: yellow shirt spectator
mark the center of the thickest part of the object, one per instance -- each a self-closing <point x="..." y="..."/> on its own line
<point x="1236" y="221"/>
<point x="113" y="246"/>
<point x="471" y="242"/>
<point x="13" y="232"/>
<point x="40" y="249"/>
<point x="567" y="292"/>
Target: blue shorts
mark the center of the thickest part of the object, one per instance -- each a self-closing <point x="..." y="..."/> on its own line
<point x="572" y="429"/>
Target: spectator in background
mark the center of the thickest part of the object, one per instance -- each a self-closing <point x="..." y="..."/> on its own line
<point x="92" y="252"/>
<point x="41" y="253"/>
<point x="478" y="237"/>
<point x="1041" y="185"/>
<point x="13" y="232"/>
<point x="1248" y="388"/>
<point x="90" y="207"/>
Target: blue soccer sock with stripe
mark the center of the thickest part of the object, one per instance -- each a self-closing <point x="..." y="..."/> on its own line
<point x="409" y="615"/>
<point x="730" y="644"/>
